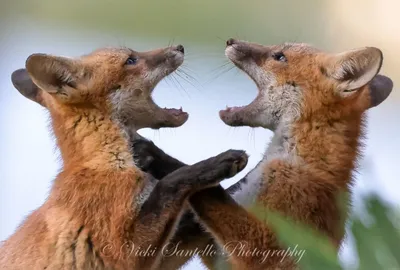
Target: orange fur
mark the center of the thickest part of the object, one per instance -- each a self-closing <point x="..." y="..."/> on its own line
<point x="90" y="218"/>
<point x="318" y="128"/>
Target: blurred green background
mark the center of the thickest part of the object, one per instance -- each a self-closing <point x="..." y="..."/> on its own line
<point x="28" y="162"/>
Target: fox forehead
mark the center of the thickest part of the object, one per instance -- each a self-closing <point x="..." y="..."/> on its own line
<point x="110" y="51"/>
<point x="301" y="48"/>
<point x="303" y="63"/>
<point x="106" y="65"/>
<point x="108" y="55"/>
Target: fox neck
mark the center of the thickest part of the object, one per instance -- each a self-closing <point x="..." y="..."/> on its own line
<point x="329" y="148"/>
<point x="91" y="138"/>
<point x="282" y="144"/>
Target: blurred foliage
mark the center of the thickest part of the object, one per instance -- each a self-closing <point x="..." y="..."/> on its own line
<point x="377" y="240"/>
<point x="201" y="21"/>
<point x="331" y="25"/>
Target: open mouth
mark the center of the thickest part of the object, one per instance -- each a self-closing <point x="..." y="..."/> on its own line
<point x="238" y="115"/>
<point x="171" y="117"/>
<point x="232" y="116"/>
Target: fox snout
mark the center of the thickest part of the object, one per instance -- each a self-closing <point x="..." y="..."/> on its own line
<point x="172" y="56"/>
<point x="240" y="51"/>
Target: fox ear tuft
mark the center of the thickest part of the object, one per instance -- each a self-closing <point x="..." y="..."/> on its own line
<point x="355" y="68"/>
<point x="59" y="76"/>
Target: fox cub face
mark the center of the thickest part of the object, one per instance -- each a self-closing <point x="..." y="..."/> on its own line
<point x="298" y="80"/>
<point x="116" y="81"/>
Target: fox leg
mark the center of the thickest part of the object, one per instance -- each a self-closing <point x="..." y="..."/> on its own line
<point x="190" y="237"/>
<point x="161" y="211"/>
<point x="236" y="230"/>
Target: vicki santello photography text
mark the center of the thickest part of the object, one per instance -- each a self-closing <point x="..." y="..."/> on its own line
<point x="238" y="248"/>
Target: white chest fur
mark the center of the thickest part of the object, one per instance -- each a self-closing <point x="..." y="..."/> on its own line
<point x="280" y="147"/>
<point x="248" y="191"/>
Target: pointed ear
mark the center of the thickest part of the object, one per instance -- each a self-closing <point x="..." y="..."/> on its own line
<point x="379" y="89"/>
<point x="24" y="84"/>
<point x="62" y="77"/>
<point x="354" y="69"/>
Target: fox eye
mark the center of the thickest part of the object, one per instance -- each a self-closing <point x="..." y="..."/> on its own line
<point x="279" y="57"/>
<point x="131" y="61"/>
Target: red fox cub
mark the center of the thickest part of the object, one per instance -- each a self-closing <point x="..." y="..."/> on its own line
<point x="315" y="104"/>
<point x="103" y="211"/>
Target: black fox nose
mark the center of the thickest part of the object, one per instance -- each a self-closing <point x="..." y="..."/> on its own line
<point x="180" y="48"/>
<point x="230" y="42"/>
